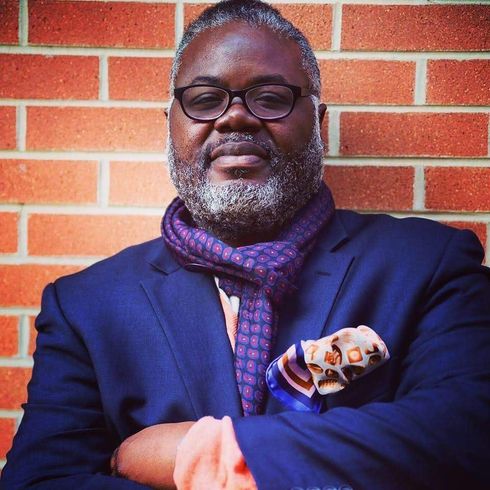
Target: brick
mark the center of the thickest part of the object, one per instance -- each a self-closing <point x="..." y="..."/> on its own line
<point x="479" y="229"/>
<point x="9" y="20"/>
<point x="457" y="188"/>
<point x="8" y="236"/>
<point x="371" y="188"/>
<point x="416" y="27"/>
<point x="22" y="285"/>
<point x="193" y="11"/>
<point x="314" y="20"/>
<point x="8" y="127"/>
<point x="38" y="181"/>
<point x="117" y="24"/>
<point x="88" y="235"/>
<point x="413" y="134"/>
<point x="367" y="81"/>
<point x="32" y="335"/>
<point x="13" y="387"/>
<point x="93" y="128"/>
<point x="139" y="78"/>
<point x="9" y="336"/>
<point x="7" y="431"/>
<point x="464" y="82"/>
<point x="48" y="77"/>
<point x="140" y="184"/>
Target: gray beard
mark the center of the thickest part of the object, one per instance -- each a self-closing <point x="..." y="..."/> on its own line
<point x="238" y="209"/>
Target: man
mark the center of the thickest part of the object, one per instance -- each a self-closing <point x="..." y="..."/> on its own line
<point x="136" y="349"/>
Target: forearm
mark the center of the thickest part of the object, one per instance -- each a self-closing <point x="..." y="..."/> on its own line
<point x="431" y="439"/>
<point x="148" y="456"/>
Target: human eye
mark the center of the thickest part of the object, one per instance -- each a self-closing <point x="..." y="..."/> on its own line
<point x="204" y="98"/>
<point x="271" y="97"/>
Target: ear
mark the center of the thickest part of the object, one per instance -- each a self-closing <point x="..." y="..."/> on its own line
<point x="322" y="109"/>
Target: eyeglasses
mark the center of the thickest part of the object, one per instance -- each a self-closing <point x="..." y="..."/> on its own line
<point x="265" y="101"/>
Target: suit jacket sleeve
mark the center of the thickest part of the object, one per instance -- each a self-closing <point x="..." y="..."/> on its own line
<point x="434" y="434"/>
<point x="64" y="441"/>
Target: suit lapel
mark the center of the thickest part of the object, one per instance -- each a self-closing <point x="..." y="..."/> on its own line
<point x="188" y="309"/>
<point x="306" y="315"/>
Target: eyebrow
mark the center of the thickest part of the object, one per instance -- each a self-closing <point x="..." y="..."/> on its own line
<point x="272" y="78"/>
<point x="206" y="79"/>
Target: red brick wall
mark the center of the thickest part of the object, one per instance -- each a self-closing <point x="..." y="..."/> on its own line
<point x="83" y="85"/>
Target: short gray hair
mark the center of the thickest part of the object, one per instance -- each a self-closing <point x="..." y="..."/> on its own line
<point x="255" y="13"/>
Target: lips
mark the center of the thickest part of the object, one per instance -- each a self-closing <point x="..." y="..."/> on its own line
<point x="239" y="160"/>
<point x="238" y="149"/>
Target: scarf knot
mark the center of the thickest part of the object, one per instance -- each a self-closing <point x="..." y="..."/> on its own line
<point x="262" y="275"/>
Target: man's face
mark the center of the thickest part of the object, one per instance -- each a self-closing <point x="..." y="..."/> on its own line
<point x="240" y="176"/>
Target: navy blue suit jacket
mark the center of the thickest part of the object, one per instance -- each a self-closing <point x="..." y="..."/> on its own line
<point x="136" y="340"/>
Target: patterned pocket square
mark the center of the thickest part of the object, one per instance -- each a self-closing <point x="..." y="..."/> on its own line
<point x="313" y="368"/>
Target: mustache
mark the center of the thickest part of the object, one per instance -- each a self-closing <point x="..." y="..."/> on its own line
<point x="205" y="155"/>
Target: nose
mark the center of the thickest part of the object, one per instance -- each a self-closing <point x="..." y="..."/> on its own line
<point x="237" y="118"/>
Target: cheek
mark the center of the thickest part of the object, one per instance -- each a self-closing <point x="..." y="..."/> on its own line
<point x="292" y="133"/>
<point x="188" y="136"/>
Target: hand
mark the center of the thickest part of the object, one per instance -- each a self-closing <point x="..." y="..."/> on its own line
<point x="148" y="457"/>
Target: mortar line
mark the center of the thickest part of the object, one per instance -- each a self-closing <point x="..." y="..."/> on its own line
<point x="131" y="1"/>
<point x="87" y="51"/>
<point x="19" y="420"/>
<point x="23" y="23"/>
<point x="103" y="78"/>
<point x="92" y="156"/>
<point x="19" y="336"/>
<point x="9" y="414"/>
<point x="488" y="150"/>
<point x="333" y="132"/>
<point x="179" y="21"/>
<point x="103" y="184"/>
<point x="57" y="156"/>
<point x="130" y="104"/>
<point x="69" y="260"/>
<point x="401" y="55"/>
<point x="420" y="90"/>
<point x="77" y="155"/>
<point x="89" y="210"/>
<point x="24" y="336"/>
<point x="406" y="162"/>
<point x="20" y="232"/>
<point x="22" y="249"/>
<point x="464" y="216"/>
<point x="170" y="53"/>
<point x="134" y="104"/>
<point x="419" y="189"/>
<point x="337" y="27"/>
<point x="487" y="251"/>
<point x="345" y="2"/>
<point x="21" y="131"/>
<point x="16" y="362"/>
<point x="408" y="2"/>
<point x="16" y="311"/>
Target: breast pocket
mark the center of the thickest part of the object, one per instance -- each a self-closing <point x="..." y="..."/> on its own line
<point x="377" y="386"/>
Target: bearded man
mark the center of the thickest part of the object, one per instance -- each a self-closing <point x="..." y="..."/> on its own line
<point x="266" y="340"/>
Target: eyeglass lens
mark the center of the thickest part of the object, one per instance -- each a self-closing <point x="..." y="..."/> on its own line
<point x="266" y="101"/>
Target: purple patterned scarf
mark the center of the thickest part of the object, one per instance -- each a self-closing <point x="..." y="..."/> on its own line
<point x="261" y="275"/>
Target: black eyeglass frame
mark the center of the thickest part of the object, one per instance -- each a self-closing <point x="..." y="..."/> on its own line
<point x="295" y="90"/>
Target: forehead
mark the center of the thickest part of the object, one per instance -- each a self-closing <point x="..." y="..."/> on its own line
<point x="237" y="55"/>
